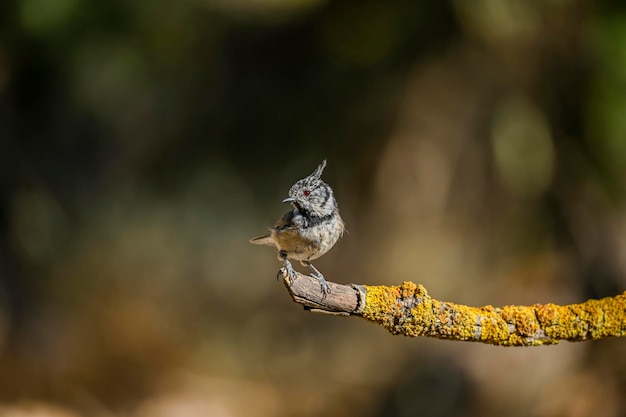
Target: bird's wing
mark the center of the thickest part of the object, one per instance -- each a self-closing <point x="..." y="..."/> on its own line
<point x="285" y="223"/>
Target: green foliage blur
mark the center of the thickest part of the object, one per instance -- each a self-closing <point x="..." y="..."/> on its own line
<point x="476" y="147"/>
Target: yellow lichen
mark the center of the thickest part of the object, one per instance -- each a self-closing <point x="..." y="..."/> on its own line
<point x="408" y="309"/>
<point x="380" y="302"/>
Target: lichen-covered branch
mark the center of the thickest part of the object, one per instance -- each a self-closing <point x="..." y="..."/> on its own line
<point x="409" y="310"/>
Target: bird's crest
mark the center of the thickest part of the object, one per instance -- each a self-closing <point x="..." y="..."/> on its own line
<point x="318" y="171"/>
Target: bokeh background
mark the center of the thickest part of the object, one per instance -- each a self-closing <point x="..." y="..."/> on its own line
<point x="476" y="147"/>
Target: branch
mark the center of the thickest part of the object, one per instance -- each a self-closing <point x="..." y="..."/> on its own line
<point x="409" y="310"/>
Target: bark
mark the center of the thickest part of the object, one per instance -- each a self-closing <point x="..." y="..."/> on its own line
<point x="409" y="310"/>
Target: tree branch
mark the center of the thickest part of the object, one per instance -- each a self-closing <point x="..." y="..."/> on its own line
<point x="409" y="310"/>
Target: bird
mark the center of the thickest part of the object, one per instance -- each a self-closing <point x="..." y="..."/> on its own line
<point x="310" y="229"/>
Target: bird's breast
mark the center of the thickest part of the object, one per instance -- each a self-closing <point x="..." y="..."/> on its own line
<point x="306" y="243"/>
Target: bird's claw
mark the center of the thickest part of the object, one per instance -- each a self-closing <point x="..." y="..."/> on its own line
<point x="323" y="284"/>
<point x="291" y="273"/>
<point x="288" y="269"/>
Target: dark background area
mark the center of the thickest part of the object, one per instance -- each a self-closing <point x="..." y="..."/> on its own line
<point x="476" y="147"/>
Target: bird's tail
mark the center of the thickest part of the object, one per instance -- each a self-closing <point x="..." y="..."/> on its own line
<point x="263" y="240"/>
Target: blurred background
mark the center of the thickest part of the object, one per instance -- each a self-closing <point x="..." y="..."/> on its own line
<point x="475" y="147"/>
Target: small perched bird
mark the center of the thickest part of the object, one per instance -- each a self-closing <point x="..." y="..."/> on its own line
<point x="309" y="230"/>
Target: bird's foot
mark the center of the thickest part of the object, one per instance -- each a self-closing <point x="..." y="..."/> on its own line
<point x="291" y="273"/>
<point x="325" y="288"/>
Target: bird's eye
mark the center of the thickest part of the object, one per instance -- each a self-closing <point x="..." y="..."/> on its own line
<point x="306" y="193"/>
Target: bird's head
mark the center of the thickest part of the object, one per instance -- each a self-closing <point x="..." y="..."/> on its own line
<point x="311" y="195"/>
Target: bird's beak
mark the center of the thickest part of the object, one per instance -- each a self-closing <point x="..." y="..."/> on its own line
<point x="289" y="200"/>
